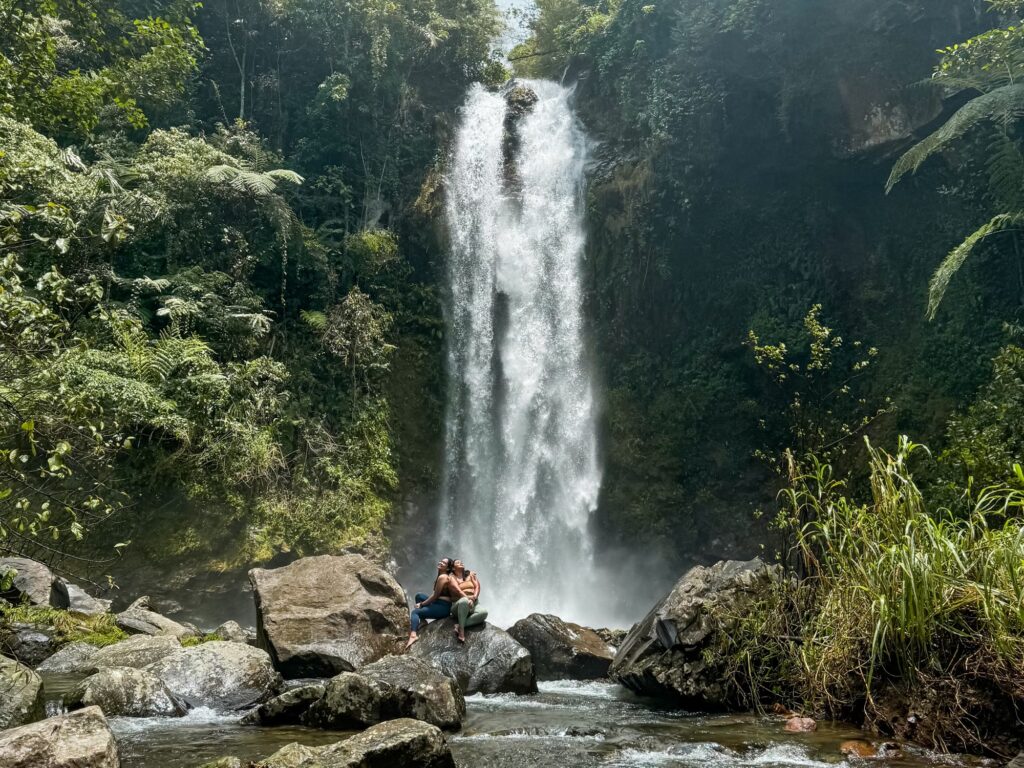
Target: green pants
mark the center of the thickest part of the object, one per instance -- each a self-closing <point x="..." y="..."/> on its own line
<point x="468" y="616"/>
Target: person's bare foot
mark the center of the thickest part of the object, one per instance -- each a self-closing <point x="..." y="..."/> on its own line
<point x="412" y="639"/>
<point x="460" y="635"/>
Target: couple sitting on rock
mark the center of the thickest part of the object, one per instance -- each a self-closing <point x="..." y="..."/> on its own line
<point x="456" y="590"/>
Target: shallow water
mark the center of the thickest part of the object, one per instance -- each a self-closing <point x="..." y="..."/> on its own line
<point x="568" y="724"/>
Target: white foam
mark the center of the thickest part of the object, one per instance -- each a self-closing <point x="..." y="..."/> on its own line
<point x="590" y="689"/>
<point x="711" y="755"/>
<point x="197" y="716"/>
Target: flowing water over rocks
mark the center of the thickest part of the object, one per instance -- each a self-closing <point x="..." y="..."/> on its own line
<point x="522" y="474"/>
<point x="568" y="723"/>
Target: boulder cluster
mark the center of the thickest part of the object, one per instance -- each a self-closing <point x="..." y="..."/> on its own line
<point x="327" y="653"/>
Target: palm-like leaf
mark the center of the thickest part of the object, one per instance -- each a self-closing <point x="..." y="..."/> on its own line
<point x="1003" y="105"/>
<point x="956" y="258"/>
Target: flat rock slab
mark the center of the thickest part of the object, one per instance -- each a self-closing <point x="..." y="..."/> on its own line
<point x="127" y="692"/>
<point x="21" y="695"/>
<point x="221" y="675"/>
<point x="323" y="615"/>
<point x="78" y="740"/>
<point x="490" y="661"/>
<point x="73" y="659"/>
<point x="33" y="583"/>
<point x="136" y="652"/>
<point x="139" y="619"/>
<point x="562" y="650"/>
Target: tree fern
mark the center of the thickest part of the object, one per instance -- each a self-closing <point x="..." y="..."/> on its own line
<point x="1004" y="104"/>
<point x="1006" y="172"/>
<point x="956" y="258"/>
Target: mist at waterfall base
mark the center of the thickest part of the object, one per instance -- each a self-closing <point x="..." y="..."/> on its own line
<point x="522" y="473"/>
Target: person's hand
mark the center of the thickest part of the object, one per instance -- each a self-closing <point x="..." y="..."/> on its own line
<point x="419" y="605"/>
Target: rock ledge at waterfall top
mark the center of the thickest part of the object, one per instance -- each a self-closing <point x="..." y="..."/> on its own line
<point x="328" y="614"/>
<point x="490" y="661"/>
<point x="562" y="650"/>
<point x="664" y="654"/>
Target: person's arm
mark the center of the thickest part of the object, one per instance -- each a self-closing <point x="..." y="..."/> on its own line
<point x="439" y="586"/>
<point x="455" y="585"/>
<point x="476" y="583"/>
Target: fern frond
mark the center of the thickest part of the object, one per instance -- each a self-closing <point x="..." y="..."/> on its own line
<point x="1005" y="104"/>
<point x="956" y="258"/>
<point x="284" y="174"/>
<point x="1006" y="172"/>
<point x="315" y="320"/>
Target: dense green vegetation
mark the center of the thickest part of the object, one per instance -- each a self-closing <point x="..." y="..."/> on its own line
<point x="212" y="265"/>
<point x="740" y="182"/>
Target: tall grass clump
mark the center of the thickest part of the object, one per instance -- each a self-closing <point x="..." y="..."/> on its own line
<point x="887" y="591"/>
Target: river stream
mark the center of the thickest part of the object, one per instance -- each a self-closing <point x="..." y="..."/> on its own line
<point x="567" y="724"/>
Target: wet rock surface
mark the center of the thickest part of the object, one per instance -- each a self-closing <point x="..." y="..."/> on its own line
<point x="287" y="708"/>
<point x="420" y="691"/>
<point x="490" y="661"/>
<point x="21" y="694"/>
<point x="351" y="701"/>
<point x="664" y="654"/>
<point x="78" y="740"/>
<point x="562" y="650"/>
<point x="127" y="692"/>
<point x="218" y="674"/>
<point x="401" y="743"/>
<point x="29" y="644"/>
<point x="323" y="615"/>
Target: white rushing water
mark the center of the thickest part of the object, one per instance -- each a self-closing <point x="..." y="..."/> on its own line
<point x="522" y="474"/>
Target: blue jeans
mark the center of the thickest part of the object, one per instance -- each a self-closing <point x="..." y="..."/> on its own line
<point x="438" y="609"/>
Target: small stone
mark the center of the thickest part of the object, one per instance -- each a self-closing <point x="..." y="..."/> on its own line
<point x="800" y="725"/>
<point x="858" y="748"/>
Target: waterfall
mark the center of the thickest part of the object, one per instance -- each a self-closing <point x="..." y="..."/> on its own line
<point x="521" y="468"/>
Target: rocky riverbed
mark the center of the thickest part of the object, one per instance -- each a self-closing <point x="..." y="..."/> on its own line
<point x="321" y="682"/>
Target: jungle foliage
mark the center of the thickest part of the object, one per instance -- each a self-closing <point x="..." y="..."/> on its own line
<point x="209" y="264"/>
<point x="743" y="149"/>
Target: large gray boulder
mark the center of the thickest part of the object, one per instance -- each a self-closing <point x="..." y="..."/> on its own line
<point x="490" y="661"/>
<point x="127" y="692"/>
<point x="287" y="708"/>
<point x="136" y="652"/>
<point x="219" y="674"/>
<point x="78" y="740"/>
<point x="421" y="691"/>
<point x="403" y="743"/>
<point x="21" y="695"/>
<point x="670" y="653"/>
<point x="33" y="583"/>
<point x="290" y="756"/>
<point x="323" y="615"/>
<point x="561" y="650"/>
<point x="139" y="619"/>
<point x="81" y="601"/>
<point x="350" y="702"/>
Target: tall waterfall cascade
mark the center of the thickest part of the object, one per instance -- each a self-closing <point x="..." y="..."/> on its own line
<point x="522" y="474"/>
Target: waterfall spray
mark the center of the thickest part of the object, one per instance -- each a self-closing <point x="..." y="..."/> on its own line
<point x="521" y="473"/>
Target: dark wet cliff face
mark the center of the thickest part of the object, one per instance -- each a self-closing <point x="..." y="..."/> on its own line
<point x="737" y="181"/>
